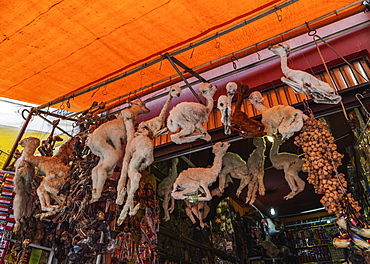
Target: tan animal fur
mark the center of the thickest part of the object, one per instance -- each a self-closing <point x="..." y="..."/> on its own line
<point x="291" y="164"/>
<point x="24" y="174"/>
<point x="165" y="188"/>
<point x="157" y="124"/>
<point x="189" y="117"/>
<point x="280" y="118"/>
<point x="191" y="180"/>
<point x="105" y="142"/>
<point x="138" y="156"/>
<point x="55" y="174"/>
<point x="256" y="163"/>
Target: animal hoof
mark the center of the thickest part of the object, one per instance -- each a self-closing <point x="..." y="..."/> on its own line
<point x="120" y="197"/>
<point x="175" y="139"/>
<point x="93" y="200"/>
<point x="289" y="196"/>
<point x="206" y="137"/>
<point x="120" y="221"/>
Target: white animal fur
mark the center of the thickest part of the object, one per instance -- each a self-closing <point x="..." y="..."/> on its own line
<point x="138" y="156"/>
<point x="191" y="180"/>
<point x="189" y="117"/>
<point x="165" y="188"/>
<point x="157" y="124"/>
<point x="224" y="105"/>
<point x="280" y="118"/>
<point x="231" y="88"/>
<point x="303" y="82"/>
<point x="105" y="142"/>
<point x="291" y="164"/>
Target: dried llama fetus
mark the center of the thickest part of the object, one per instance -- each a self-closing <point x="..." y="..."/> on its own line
<point x="256" y="164"/>
<point x="105" y="142"/>
<point x="303" y="82"/>
<point x="240" y="122"/>
<point x="192" y="180"/>
<point x="280" y="118"/>
<point x="165" y="188"/>
<point x="291" y="164"/>
<point x="189" y="117"/>
<point x="234" y="165"/>
<point x="55" y="175"/>
<point x="157" y="124"/>
<point x="224" y="105"/>
<point x="138" y="156"/>
<point x="24" y="174"/>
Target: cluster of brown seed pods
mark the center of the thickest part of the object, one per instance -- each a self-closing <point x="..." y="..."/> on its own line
<point x="321" y="163"/>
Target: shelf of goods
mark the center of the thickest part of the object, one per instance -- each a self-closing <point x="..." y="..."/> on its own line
<point x="33" y="253"/>
<point x="312" y="241"/>
<point x="180" y="242"/>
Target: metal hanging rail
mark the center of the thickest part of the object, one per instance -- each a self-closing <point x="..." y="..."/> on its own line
<point x="80" y="91"/>
<point x="297" y="31"/>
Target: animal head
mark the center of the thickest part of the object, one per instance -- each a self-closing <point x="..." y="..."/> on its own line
<point x="243" y="89"/>
<point x="127" y="114"/>
<point x="256" y="98"/>
<point x="175" y="91"/>
<point x="278" y="140"/>
<point x="223" y="104"/>
<point x="259" y="142"/>
<point x="281" y="49"/>
<point x="231" y="88"/>
<point x="144" y="131"/>
<point x="139" y="107"/>
<point x="30" y="141"/>
<point x="220" y="148"/>
<point x="207" y="90"/>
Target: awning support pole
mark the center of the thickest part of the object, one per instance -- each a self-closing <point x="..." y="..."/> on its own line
<point x="169" y="58"/>
<point x="20" y="135"/>
<point x="189" y="70"/>
<point x="51" y="123"/>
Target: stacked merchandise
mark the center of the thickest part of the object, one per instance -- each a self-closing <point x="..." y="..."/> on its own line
<point x="6" y="211"/>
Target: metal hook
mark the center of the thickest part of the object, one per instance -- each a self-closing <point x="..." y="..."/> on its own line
<point x="218" y="44"/>
<point x="233" y="59"/>
<point x="310" y="31"/>
<point x="104" y="92"/>
<point x="279" y="17"/>
<point x="68" y="103"/>
<point x="192" y="51"/>
<point x="259" y="56"/>
<point x="160" y="65"/>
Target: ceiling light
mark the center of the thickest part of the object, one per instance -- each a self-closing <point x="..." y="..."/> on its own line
<point x="270" y="138"/>
<point x="272" y="211"/>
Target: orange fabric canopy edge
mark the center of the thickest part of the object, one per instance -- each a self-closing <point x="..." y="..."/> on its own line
<point x="55" y="48"/>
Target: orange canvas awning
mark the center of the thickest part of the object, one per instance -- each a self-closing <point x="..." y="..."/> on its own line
<point x="52" y="49"/>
